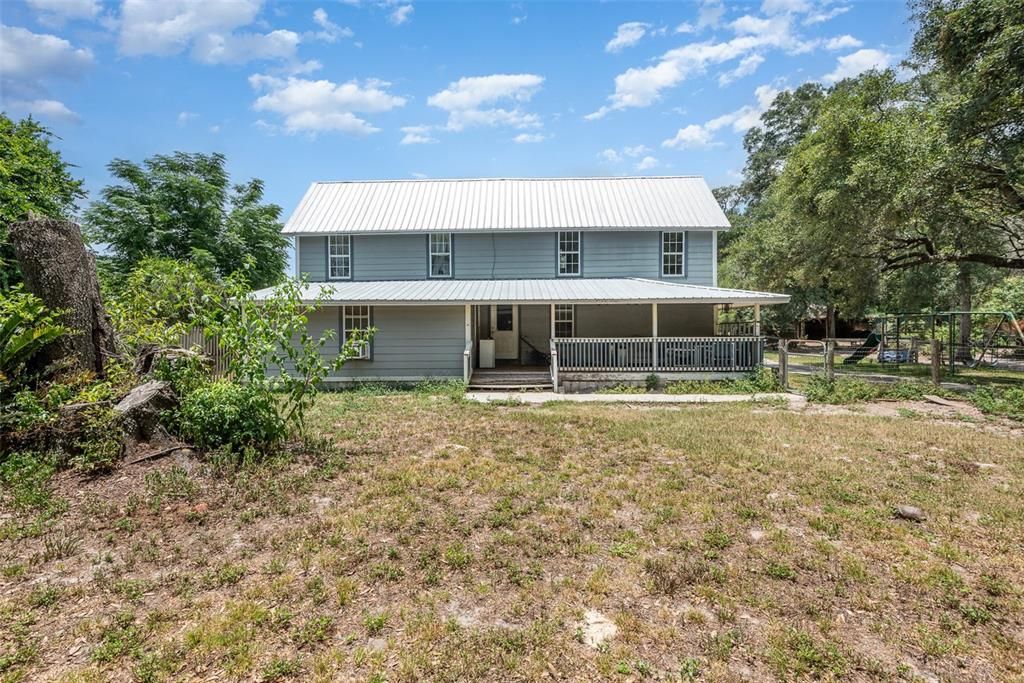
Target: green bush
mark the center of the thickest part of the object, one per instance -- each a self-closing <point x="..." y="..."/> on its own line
<point x="761" y="381"/>
<point x="226" y="414"/>
<point x="842" y="390"/>
<point x="1008" y="402"/>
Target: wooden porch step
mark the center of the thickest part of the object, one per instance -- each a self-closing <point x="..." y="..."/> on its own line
<point x="511" y="379"/>
<point x="511" y="387"/>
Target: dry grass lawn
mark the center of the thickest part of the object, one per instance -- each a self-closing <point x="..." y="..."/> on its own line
<point x="427" y="538"/>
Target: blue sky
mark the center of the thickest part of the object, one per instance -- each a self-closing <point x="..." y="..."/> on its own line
<point x="295" y="92"/>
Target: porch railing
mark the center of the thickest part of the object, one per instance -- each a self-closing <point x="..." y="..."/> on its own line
<point x="659" y="354"/>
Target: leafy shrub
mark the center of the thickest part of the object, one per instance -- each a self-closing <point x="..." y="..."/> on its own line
<point x="185" y="373"/>
<point x="100" y="444"/>
<point x="26" y="480"/>
<point x="26" y="326"/>
<point x="761" y="381"/>
<point x="842" y="390"/>
<point x="226" y="414"/>
<point x="1008" y="402"/>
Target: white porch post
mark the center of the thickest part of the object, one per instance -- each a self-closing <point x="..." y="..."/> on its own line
<point x="467" y="356"/>
<point x="552" y="321"/>
<point x="654" y="337"/>
<point x="757" y="320"/>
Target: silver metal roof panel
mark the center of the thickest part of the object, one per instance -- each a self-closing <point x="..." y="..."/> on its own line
<point x="515" y="204"/>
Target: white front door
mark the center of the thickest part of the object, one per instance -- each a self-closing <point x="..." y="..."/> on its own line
<point x="505" y="331"/>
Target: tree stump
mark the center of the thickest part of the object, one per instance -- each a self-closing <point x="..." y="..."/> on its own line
<point x="57" y="268"/>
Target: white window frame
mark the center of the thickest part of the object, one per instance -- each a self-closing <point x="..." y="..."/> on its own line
<point x="565" y="238"/>
<point x="680" y="251"/>
<point x="355" y="318"/>
<point x="343" y="258"/>
<point x="433" y="250"/>
<point x="565" y="314"/>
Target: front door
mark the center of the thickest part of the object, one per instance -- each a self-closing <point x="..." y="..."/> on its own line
<point x="505" y="331"/>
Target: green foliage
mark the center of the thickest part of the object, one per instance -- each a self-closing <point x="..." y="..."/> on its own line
<point x="232" y="415"/>
<point x="25" y="479"/>
<point x="268" y="344"/>
<point x="1008" y="295"/>
<point x="159" y="300"/>
<point x="1008" y="402"/>
<point x="183" y="206"/>
<point x="26" y="326"/>
<point x="761" y="381"/>
<point x="100" y="444"/>
<point x="844" y="390"/>
<point x="33" y="178"/>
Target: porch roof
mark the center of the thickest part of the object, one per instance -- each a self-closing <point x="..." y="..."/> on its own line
<point x="549" y="291"/>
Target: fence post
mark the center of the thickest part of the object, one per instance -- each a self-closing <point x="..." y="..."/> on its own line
<point x="936" y="362"/>
<point x="783" y="364"/>
<point x="830" y="359"/>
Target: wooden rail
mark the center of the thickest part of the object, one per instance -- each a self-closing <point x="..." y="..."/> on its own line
<point x="659" y="354"/>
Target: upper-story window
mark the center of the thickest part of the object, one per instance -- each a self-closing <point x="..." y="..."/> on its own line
<point x="569" y="243"/>
<point x="673" y="254"/>
<point x="439" y="245"/>
<point x="339" y="257"/>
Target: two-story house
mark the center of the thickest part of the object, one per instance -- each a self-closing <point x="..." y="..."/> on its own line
<point x="532" y="280"/>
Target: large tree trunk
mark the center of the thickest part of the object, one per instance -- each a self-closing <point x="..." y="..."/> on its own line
<point x="963" y="293"/>
<point x="58" y="269"/>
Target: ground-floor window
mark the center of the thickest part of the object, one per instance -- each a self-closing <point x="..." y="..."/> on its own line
<point x="565" y="320"/>
<point x="353" y="319"/>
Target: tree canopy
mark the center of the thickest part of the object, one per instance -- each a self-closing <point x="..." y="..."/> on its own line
<point x="33" y="178"/>
<point x="886" y="188"/>
<point x="183" y="206"/>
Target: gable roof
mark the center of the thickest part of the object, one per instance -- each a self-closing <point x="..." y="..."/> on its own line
<point x="514" y="204"/>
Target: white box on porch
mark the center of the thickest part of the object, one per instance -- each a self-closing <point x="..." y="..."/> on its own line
<point x="486" y="353"/>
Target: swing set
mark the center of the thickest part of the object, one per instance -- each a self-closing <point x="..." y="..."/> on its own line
<point x="897" y="339"/>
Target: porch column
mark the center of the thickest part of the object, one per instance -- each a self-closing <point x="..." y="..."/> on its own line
<point x="552" y="321"/>
<point x="757" y="320"/>
<point x="467" y="356"/>
<point x="654" y="337"/>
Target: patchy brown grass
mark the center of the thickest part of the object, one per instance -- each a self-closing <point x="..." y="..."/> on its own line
<point x="427" y="538"/>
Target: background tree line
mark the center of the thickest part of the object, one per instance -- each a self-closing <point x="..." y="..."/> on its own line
<point x="900" y="190"/>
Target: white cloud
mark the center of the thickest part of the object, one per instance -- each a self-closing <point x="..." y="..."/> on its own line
<point x="627" y="35"/>
<point x="313" y="106"/>
<point x="685" y="27"/>
<point x="842" y="43"/>
<point x="785" y="6"/>
<point x="168" y="27"/>
<point x="824" y="15"/>
<point x="215" y="129"/>
<point x="857" y="63"/>
<point x="696" y="136"/>
<point x="28" y="61"/>
<point x="467" y="101"/>
<point x="636" y="150"/>
<point x="56" y="12"/>
<point x="418" y="175"/>
<point x="643" y="86"/>
<point x="417" y="135"/>
<point x="611" y="156"/>
<point x="28" y="56"/>
<point x="185" y="117"/>
<point x="710" y="13"/>
<point x="239" y="48"/>
<point x="747" y="66"/>
<point x="524" y="138"/>
<point x="44" y="108"/>
<point x="401" y="15"/>
<point x="646" y="163"/>
<point x="329" y="31"/>
<point x="692" y="136"/>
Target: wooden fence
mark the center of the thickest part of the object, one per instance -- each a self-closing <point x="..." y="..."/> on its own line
<point x="210" y="347"/>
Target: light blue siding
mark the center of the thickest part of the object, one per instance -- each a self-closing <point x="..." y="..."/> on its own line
<point x="313" y="258"/>
<point x="515" y="256"/>
<point x="389" y="257"/>
<point x="411" y="342"/>
<point x="510" y="256"/>
<point x="621" y="254"/>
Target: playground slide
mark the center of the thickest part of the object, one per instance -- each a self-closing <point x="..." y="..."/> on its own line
<point x="864" y="350"/>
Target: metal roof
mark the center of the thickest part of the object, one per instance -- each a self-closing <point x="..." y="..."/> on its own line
<point x="485" y="204"/>
<point x="565" y="290"/>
